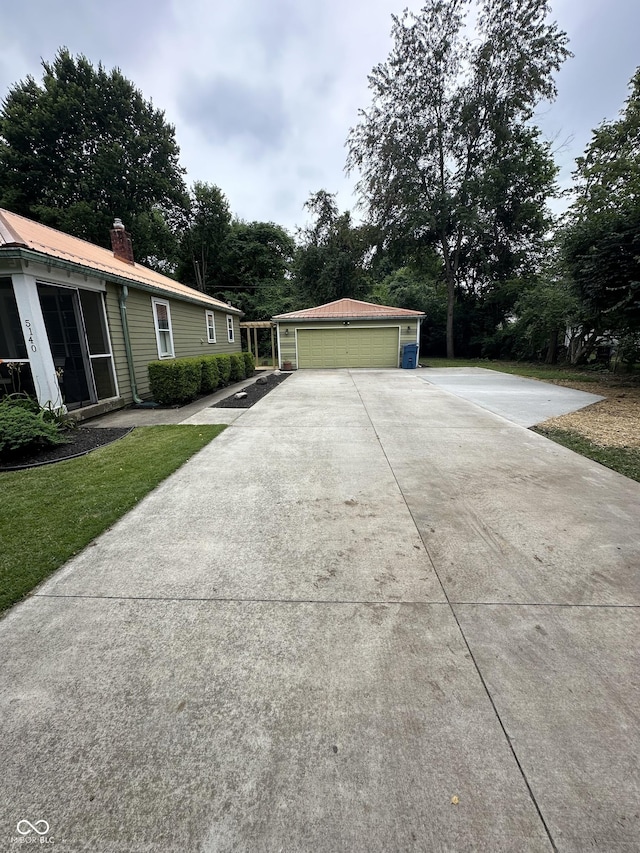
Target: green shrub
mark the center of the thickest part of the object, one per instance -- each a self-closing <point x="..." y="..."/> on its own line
<point x="175" y="382"/>
<point x="22" y="429"/>
<point x="210" y="374"/>
<point x="249" y="364"/>
<point x="224" y="366"/>
<point x="22" y="401"/>
<point x="237" y="367"/>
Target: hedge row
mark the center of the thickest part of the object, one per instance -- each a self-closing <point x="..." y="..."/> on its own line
<point x="181" y="380"/>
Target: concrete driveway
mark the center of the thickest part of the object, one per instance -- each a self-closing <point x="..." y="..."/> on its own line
<point x="370" y="616"/>
<point x="524" y="401"/>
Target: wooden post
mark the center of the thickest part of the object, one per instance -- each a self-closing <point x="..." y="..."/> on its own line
<point x="273" y="348"/>
<point x="255" y="340"/>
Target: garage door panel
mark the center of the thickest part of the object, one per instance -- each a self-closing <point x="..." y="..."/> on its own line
<point x="348" y="347"/>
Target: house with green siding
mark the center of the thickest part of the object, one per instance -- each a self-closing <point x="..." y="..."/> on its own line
<point x="79" y="324"/>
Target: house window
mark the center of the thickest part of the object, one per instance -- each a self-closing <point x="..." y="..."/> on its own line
<point x="164" y="335"/>
<point x="211" y="327"/>
<point x="230" y="332"/>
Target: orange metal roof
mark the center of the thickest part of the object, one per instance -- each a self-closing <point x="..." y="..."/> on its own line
<point x="350" y="309"/>
<point x="19" y="232"/>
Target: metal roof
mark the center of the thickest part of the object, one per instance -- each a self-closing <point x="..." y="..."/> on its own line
<point x="18" y="232"/>
<point x="351" y="309"/>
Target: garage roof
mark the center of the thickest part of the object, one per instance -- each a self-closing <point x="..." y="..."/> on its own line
<point x="18" y="232"/>
<point x="351" y="309"/>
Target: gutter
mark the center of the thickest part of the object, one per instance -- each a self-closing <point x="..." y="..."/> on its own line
<point x="122" y="302"/>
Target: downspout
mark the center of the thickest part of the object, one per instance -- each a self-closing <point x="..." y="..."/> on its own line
<point x="122" y="302"/>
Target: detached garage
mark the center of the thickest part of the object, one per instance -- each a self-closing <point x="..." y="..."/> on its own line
<point x="346" y="333"/>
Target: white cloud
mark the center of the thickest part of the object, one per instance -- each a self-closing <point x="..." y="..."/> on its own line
<point x="262" y="95"/>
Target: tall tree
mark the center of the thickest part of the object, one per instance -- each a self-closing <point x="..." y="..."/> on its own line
<point x="445" y="151"/>
<point x="203" y="243"/>
<point x="602" y="233"/>
<point x="258" y="261"/>
<point x="258" y="253"/>
<point x="83" y="147"/>
<point x="331" y="259"/>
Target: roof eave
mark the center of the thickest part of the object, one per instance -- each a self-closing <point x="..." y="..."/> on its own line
<point x="16" y="252"/>
<point x="350" y="318"/>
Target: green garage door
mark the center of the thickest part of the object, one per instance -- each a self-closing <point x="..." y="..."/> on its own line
<point x="348" y="347"/>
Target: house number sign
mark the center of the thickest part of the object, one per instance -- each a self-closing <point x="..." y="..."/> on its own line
<point x="30" y="339"/>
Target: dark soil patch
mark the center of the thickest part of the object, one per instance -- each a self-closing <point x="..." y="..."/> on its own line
<point x="80" y="441"/>
<point x="254" y="393"/>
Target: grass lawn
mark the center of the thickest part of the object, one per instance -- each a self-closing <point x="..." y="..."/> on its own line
<point x="624" y="460"/>
<point x="51" y="513"/>
<point x="548" y="372"/>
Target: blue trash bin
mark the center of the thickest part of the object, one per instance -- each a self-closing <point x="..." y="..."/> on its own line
<point x="409" y="356"/>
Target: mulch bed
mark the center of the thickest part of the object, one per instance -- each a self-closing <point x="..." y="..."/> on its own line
<point x="254" y="393"/>
<point x="614" y="422"/>
<point x="81" y="440"/>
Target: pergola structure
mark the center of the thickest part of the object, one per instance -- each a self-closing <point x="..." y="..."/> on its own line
<point x="255" y="325"/>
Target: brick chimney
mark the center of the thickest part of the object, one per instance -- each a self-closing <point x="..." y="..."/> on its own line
<point x="121" y="242"/>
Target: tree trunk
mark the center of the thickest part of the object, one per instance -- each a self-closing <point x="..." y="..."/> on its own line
<point x="451" y="300"/>
<point x="584" y="349"/>
<point x="552" y="350"/>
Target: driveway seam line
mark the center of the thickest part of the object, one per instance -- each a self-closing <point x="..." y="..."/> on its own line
<point x="504" y="730"/>
<point x="462" y="634"/>
<point x="228" y="599"/>
<point x="385" y="602"/>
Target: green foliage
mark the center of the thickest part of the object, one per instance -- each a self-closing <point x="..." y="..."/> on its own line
<point x="22" y="429"/>
<point x="544" y="311"/>
<point x="628" y="349"/>
<point x="608" y="175"/>
<point x="330" y="261"/>
<point x="202" y="252"/>
<point x="180" y="380"/>
<point x="176" y="381"/>
<point x="48" y="413"/>
<point x="21" y="400"/>
<point x="224" y="366"/>
<point x="603" y="253"/>
<point x="406" y="288"/>
<point x="84" y="146"/>
<point x="249" y="364"/>
<point x="210" y="374"/>
<point x="601" y="236"/>
<point x="258" y="254"/>
<point x="245" y="263"/>
<point x="94" y="491"/>
<point x="446" y="152"/>
<point x="237" y="367"/>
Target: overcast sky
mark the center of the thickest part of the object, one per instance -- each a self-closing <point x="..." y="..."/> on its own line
<point x="262" y="93"/>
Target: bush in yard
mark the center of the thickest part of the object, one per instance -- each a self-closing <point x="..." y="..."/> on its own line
<point x="175" y="382"/>
<point x="22" y="430"/>
<point x="237" y="367"/>
<point x="22" y="401"/>
<point x="249" y="364"/>
<point x="210" y="374"/>
<point x="224" y="366"/>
